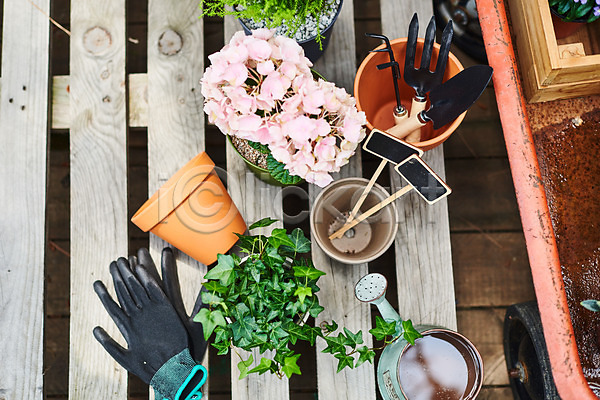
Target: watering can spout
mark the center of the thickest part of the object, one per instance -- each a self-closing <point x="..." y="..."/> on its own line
<point x="371" y="289"/>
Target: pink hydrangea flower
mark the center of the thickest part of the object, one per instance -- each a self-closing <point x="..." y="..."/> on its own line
<point x="261" y="88"/>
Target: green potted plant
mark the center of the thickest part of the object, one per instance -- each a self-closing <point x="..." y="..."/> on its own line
<point x="570" y="15"/>
<point x="309" y="22"/>
<point x="285" y="121"/>
<point x="264" y="300"/>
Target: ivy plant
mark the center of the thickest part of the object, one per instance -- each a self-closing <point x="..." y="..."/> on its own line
<point x="276" y="168"/>
<point x="263" y="300"/>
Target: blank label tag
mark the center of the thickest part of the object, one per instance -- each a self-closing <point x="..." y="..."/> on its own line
<point x="389" y="148"/>
<point x="422" y="178"/>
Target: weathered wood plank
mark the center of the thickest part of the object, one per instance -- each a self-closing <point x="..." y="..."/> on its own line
<point x="423" y="255"/>
<point x="23" y="150"/>
<point x="175" y="117"/>
<point x="337" y="287"/>
<point x="98" y="188"/>
<point x="255" y="199"/>
<point x="491" y="269"/>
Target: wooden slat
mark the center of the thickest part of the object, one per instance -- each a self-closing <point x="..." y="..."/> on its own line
<point x="423" y="256"/>
<point x="98" y="188"/>
<point x="255" y="199"/>
<point x="337" y="287"/>
<point x="23" y="150"/>
<point x="175" y="117"/>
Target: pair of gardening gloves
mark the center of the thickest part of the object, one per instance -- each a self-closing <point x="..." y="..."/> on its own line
<point x="165" y="346"/>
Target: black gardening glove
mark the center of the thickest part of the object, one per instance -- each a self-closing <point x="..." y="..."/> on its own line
<point x="157" y="341"/>
<point x="170" y="284"/>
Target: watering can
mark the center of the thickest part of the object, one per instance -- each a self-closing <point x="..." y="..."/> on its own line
<point x="441" y="365"/>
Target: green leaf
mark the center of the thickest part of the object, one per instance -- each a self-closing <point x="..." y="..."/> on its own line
<point x="353" y="338"/>
<point x="243" y="366"/>
<point x="366" y="354"/>
<point x="583" y="10"/>
<point x="295" y="332"/>
<point x="272" y="257"/>
<point x="223" y="347"/>
<point x="264" y="366"/>
<point x="223" y="271"/>
<point x="307" y="272"/>
<point x="280" y="237"/>
<point x="335" y="344"/>
<point x="211" y="298"/>
<point x="245" y="243"/>
<point x="280" y="173"/>
<point x="330" y="327"/>
<point x="592" y="305"/>
<point x="214" y="286"/>
<point x="310" y="334"/>
<point x="315" y="309"/>
<point x="382" y="328"/>
<point x="262" y="223"/>
<point x="301" y="243"/>
<point x="410" y="333"/>
<point x="243" y="329"/>
<point x="302" y="292"/>
<point x="345" y="361"/>
<point x="290" y="367"/>
<point x="209" y="320"/>
<point x="222" y="334"/>
<point x="263" y="148"/>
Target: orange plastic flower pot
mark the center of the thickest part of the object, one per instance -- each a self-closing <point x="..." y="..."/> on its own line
<point x="374" y="91"/>
<point x="193" y="212"/>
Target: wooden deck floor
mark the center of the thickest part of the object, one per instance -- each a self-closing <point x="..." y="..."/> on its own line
<point x="491" y="269"/>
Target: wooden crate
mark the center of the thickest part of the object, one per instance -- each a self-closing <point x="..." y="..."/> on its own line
<point x="554" y="69"/>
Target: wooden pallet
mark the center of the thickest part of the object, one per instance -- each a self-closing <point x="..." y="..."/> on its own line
<point x="97" y="103"/>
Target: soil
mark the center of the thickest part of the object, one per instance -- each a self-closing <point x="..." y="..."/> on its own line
<point x="568" y="155"/>
<point x="249" y="153"/>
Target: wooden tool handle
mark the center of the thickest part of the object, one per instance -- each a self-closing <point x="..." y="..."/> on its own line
<point x="366" y="191"/>
<point x="348" y="225"/>
<point x="416" y="107"/>
<point x="404" y="128"/>
<point x="400" y="117"/>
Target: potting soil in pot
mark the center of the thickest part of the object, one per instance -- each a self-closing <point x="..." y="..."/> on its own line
<point x="568" y="154"/>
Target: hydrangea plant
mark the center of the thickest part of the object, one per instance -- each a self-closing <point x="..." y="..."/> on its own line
<point x="263" y="301"/>
<point x="260" y="88"/>
<point x="570" y="10"/>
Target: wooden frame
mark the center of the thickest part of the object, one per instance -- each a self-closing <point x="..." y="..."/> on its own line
<point x="554" y="69"/>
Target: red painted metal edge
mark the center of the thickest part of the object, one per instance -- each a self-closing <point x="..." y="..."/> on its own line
<point x="535" y="217"/>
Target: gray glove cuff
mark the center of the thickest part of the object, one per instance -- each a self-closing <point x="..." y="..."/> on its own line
<point x="175" y="375"/>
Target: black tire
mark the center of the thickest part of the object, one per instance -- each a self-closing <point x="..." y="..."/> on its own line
<point x="524" y="343"/>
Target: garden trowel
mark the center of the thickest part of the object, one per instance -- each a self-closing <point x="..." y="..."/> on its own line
<point x="448" y="100"/>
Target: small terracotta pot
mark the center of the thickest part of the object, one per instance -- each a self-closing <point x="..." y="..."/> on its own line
<point x="193" y="212"/>
<point x="374" y="91"/>
<point x="372" y="236"/>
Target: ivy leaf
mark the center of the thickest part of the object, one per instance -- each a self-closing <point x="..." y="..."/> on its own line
<point x="353" y="338"/>
<point x="301" y="243"/>
<point x="214" y="286"/>
<point x="307" y="272"/>
<point x="366" y="354"/>
<point x="209" y="320"/>
<point x="335" y="344"/>
<point x="223" y="271"/>
<point x="310" y="334"/>
<point x="272" y="257"/>
<point x="263" y="148"/>
<point x="262" y="223"/>
<point x="302" y="292"/>
<point x="280" y="173"/>
<point x="290" y="366"/>
<point x="222" y="334"/>
<point x="345" y="361"/>
<point x="280" y="237"/>
<point x="264" y="366"/>
<point x="211" y="298"/>
<point x="330" y="327"/>
<point x="592" y="305"/>
<point x="222" y="347"/>
<point x="245" y="243"/>
<point x="382" y="328"/>
<point x="243" y="366"/>
<point x="242" y="330"/>
<point x="410" y="333"/>
<point x="315" y="309"/>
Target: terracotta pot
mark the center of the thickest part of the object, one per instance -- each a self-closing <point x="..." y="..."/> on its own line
<point x="563" y="28"/>
<point x="374" y="92"/>
<point x="369" y="239"/>
<point x="312" y="50"/>
<point x="193" y="212"/>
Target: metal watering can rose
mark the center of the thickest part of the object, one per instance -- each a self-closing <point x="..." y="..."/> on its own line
<point x="440" y="365"/>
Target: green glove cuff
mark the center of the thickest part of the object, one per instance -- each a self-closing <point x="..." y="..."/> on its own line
<point x="175" y="375"/>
